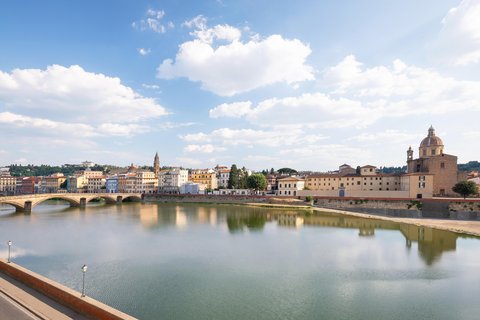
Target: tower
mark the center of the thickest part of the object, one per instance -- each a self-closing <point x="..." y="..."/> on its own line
<point x="156" y="164"/>
<point x="409" y="153"/>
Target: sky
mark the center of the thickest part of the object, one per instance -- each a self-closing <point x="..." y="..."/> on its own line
<point x="303" y="84"/>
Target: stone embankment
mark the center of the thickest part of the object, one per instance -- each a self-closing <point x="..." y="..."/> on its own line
<point x="458" y="209"/>
<point x="67" y="297"/>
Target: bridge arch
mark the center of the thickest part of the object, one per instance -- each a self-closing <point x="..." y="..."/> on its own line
<point x="17" y="206"/>
<point x="131" y="198"/>
<point x="108" y="199"/>
<point x="73" y="202"/>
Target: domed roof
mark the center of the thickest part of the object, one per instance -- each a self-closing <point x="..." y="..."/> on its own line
<point x="431" y="140"/>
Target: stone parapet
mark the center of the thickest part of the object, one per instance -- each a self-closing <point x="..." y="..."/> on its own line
<point x="70" y="298"/>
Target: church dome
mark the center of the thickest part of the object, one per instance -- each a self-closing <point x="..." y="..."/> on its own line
<point x="431" y="140"/>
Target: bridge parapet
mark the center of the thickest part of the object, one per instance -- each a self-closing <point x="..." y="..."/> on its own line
<point x="27" y="202"/>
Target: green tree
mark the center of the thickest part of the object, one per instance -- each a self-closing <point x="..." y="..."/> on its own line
<point x="233" y="178"/>
<point x="288" y="171"/>
<point x="272" y="171"/>
<point x="465" y="188"/>
<point x="242" y="178"/>
<point x="257" y="181"/>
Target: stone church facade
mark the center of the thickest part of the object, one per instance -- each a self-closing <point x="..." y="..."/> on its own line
<point x="434" y="161"/>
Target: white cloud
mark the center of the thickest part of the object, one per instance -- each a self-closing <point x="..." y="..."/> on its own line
<point x="144" y="51"/>
<point x="359" y="97"/>
<point x="58" y="128"/>
<point x="150" y="86"/>
<point x="235" y="66"/>
<point x="232" y="110"/>
<point x="174" y="125"/>
<point x="71" y="94"/>
<point x="459" y="39"/>
<point x="251" y="137"/>
<point x="153" y="22"/>
<point x="12" y="120"/>
<point x="203" y="148"/>
<point x="388" y="137"/>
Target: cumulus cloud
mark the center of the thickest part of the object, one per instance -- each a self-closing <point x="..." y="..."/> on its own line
<point x="71" y="94"/>
<point x="153" y="22"/>
<point x="459" y="39"/>
<point x="358" y="96"/>
<point x="58" y="128"/>
<point x="232" y="110"/>
<point x="225" y="65"/>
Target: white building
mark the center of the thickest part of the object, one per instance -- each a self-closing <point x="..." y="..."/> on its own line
<point x="169" y="181"/>
<point x="192" y="188"/>
<point x="223" y="175"/>
<point x="290" y="186"/>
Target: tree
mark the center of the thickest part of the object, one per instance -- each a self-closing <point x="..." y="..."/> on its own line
<point x="288" y="171"/>
<point x="233" y="178"/>
<point x="465" y="188"/>
<point x="242" y="178"/>
<point x="257" y="181"/>
<point x="358" y="170"/>
<point x="272" y="171"/>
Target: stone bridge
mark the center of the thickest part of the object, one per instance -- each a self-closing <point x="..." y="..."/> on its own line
<point x="26" y="203"/>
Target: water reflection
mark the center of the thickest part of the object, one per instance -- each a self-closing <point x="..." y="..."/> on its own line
<point x="432" y="243"/>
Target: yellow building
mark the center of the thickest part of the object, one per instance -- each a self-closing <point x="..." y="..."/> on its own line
<point x="369" y="183"/>
<point x="7" y="184"/>
<point x="52" y="183"/>
<point x="208" y="177"/>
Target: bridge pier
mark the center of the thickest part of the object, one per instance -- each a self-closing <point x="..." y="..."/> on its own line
<point x="83" y="202"/>
<point x="119" y="199"/>
<point x="27" y="207"/>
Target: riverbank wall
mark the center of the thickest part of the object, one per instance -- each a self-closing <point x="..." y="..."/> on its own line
<point x="441" y="208"/>
<point x="67" y="297"/>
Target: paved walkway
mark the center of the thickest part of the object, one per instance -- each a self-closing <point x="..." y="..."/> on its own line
<point x="18" y="301"/>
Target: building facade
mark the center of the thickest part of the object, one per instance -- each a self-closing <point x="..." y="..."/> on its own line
<point x="169" y="181"/>
<point x="290" y="186"/>
<point x="208" y="177"/>
<point x="432" y="160"/>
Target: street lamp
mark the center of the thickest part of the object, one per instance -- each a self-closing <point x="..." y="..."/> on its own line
<point x="84" y="270"/>
<point x="9" y="245"/>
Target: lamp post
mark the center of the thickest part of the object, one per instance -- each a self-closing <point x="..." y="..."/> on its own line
<point x="9" y="245"/>
<point x="84" y="270"/>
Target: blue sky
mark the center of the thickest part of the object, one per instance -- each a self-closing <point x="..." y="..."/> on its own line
<point x="304" y="84"/>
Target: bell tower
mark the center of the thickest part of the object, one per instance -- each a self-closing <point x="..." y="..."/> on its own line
<point x="409" y="153"/>
<point x="156" y="164"/>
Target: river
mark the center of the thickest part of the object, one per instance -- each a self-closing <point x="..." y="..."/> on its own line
<point x="171" y="261"/>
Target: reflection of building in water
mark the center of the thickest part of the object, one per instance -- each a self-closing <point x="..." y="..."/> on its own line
<point x="180" y="217"/>
<point x="366" y="227"/>
<point x="148" y="215"/>
<point x="431" y="242"/>
<point x="290" y="220"/>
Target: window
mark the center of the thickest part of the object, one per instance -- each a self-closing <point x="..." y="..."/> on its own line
<point x="424" y="152"/>
<point x="442" y="165"/>
<point x="358" y="182"/>
<point x="433" y="152"/>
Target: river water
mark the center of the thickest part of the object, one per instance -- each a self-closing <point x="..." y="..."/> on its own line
<point x="170" y="261"/>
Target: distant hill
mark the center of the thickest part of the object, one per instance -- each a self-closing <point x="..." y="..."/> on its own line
<point x="469" y="166"/>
